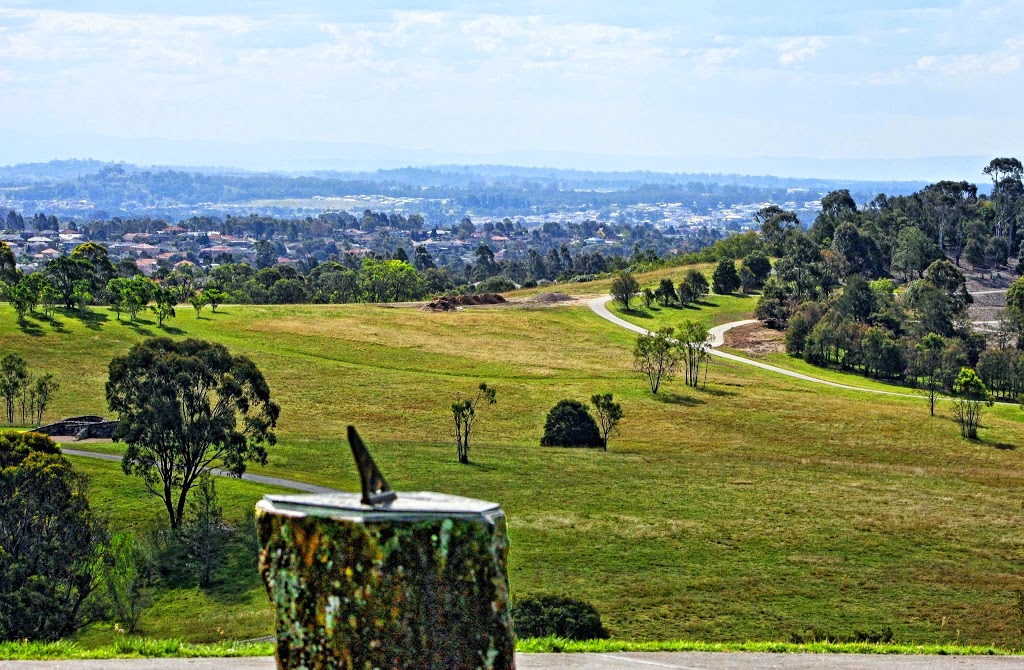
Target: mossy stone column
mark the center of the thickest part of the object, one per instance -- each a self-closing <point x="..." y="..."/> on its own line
<point x="418" y="582"/>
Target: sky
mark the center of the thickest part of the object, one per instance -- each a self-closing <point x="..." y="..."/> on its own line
<point x="631" y="85"/>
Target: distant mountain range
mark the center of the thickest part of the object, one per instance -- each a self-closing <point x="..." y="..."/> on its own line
<point x="308" y="156"/>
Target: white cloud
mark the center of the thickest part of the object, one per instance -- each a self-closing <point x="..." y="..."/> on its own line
<point x="710" y="62"/>
<point x="795" y="50"/>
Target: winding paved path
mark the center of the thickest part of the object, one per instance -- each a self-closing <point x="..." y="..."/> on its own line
<point x="256" y="479"/>
<point x="600" y="307"/>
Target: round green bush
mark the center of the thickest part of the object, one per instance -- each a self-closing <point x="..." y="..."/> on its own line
<point x="543" y="616"/>
<point x="569" y="424"/>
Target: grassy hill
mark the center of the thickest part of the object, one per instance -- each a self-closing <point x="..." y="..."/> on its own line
<point x="758" y="508"/>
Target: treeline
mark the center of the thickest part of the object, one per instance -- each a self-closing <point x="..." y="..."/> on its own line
<point x="864" y="288"/>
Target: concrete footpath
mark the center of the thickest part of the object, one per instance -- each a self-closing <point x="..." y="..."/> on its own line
<point x="614" y="661"/>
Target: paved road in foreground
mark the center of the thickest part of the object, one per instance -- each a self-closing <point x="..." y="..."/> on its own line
<point x="615" y="661"/>
<point x="257" y="479"/>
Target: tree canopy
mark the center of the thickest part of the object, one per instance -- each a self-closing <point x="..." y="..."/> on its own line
<point x="185" y="406"/>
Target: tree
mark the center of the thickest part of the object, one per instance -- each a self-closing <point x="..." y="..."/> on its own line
<point x="83" y="295"/>
<point x="858" y="301"/>
<point x="389" y="281"/>
<point x="214" y="298"/>
<point x="655" y="357"/>
<point x="913" y="253"/>
<point x="694" y="340"/>
<point x="163" y="303"/>
<point x="624" y="287"/>
<point x="64" y="273"/>
<point x="464" y="414"/>
<point x="50" y="541"/>
<point x="8" y="264"/>
<point x="1015" y="306"/>
<point x="609" y="413"/>
<point x="198" y="301"/>
<point x="696" y="286"/>
<point x="971" y="396"/>
<point x="22" y="297"/>
<point x="775" y="304"/>
<point x="759" y="266"/>
<point x="725" y="279"/>
<point x="13" y="380"/>
<point x="666" y="291"/>
<point x="648" y="296"/>
<point x="204" y="530"/>
<point x="43" y="390"/>
<point x="185" y="406"/>
<point x="569" y="424"/>
<point x="127" y="575"/>
<point x="929" y="363"/>
<point x="98" y="258"/>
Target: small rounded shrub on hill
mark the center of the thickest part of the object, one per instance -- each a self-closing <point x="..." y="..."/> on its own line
<point x="569" y="424"/>
<point x="543" y="616"/>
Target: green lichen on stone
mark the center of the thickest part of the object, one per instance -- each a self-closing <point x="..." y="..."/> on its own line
<point x="388" y="594"/>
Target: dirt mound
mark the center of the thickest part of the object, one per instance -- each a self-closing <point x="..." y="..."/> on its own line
<point x="447" y="304"/>
<point x="551" y="297"/>
<point x="440" y="305"/>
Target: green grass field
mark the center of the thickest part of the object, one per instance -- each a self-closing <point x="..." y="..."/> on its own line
<point x="712" y="309"/>
<point x="760" y="507"/>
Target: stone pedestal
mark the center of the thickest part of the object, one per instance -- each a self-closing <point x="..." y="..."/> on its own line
<point x="420" y="582"/>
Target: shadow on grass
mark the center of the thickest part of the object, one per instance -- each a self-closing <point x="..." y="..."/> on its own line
<point x="92" y="320"/>
<point x="1004" y="446"/>
<point x="172" y="330"/>
<point x="55" y="324"/>
<point x="717" y="392"/>
<point x="676" y="399"/>
<point x="138" y="327"/>
<point x="480" y="467"/>
<point x="706" y="303"/>
<point x="638" y="314"/>
<point x="29" y="328"/>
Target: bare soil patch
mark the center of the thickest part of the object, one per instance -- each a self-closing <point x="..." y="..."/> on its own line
<point x="450" y="304"/>
<point x="551" y="297"/>
<point x="756" y="339"/>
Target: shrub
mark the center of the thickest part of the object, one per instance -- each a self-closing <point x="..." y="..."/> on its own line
<point x="542" y="616"/>
<point x="50" y="539"/>
<point x="497" y="284"/>
<point x="569" y="424"/>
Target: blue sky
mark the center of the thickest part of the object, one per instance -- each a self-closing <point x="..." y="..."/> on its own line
<point x="540" y="82"/>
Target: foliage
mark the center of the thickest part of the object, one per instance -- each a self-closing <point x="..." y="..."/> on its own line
<point x="624" y="287"/>
<point x="929" y="364"/>
<point x="666" y="292"/>
<point x="198" y="301"/>
<point x="693" y="287"/>
<point x="184" y="406"/>
<point x="569" y="424"/>
<point x="648" y="297"/>
<point x="14" y="380"/>
<point x="128" y="578"/>
<point x="464" y="414"/>
<point x="655" y="357"/>
<point x="50" y="541"/>
<point x="725" y="279"/>
<point x="561" y="616"/>
<point x="164" y="302"/>
<point x="971" y="396"/>
<point x="694" y="340"/>
<point x="204" y="531"/>
<point x="609" y="413"/>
